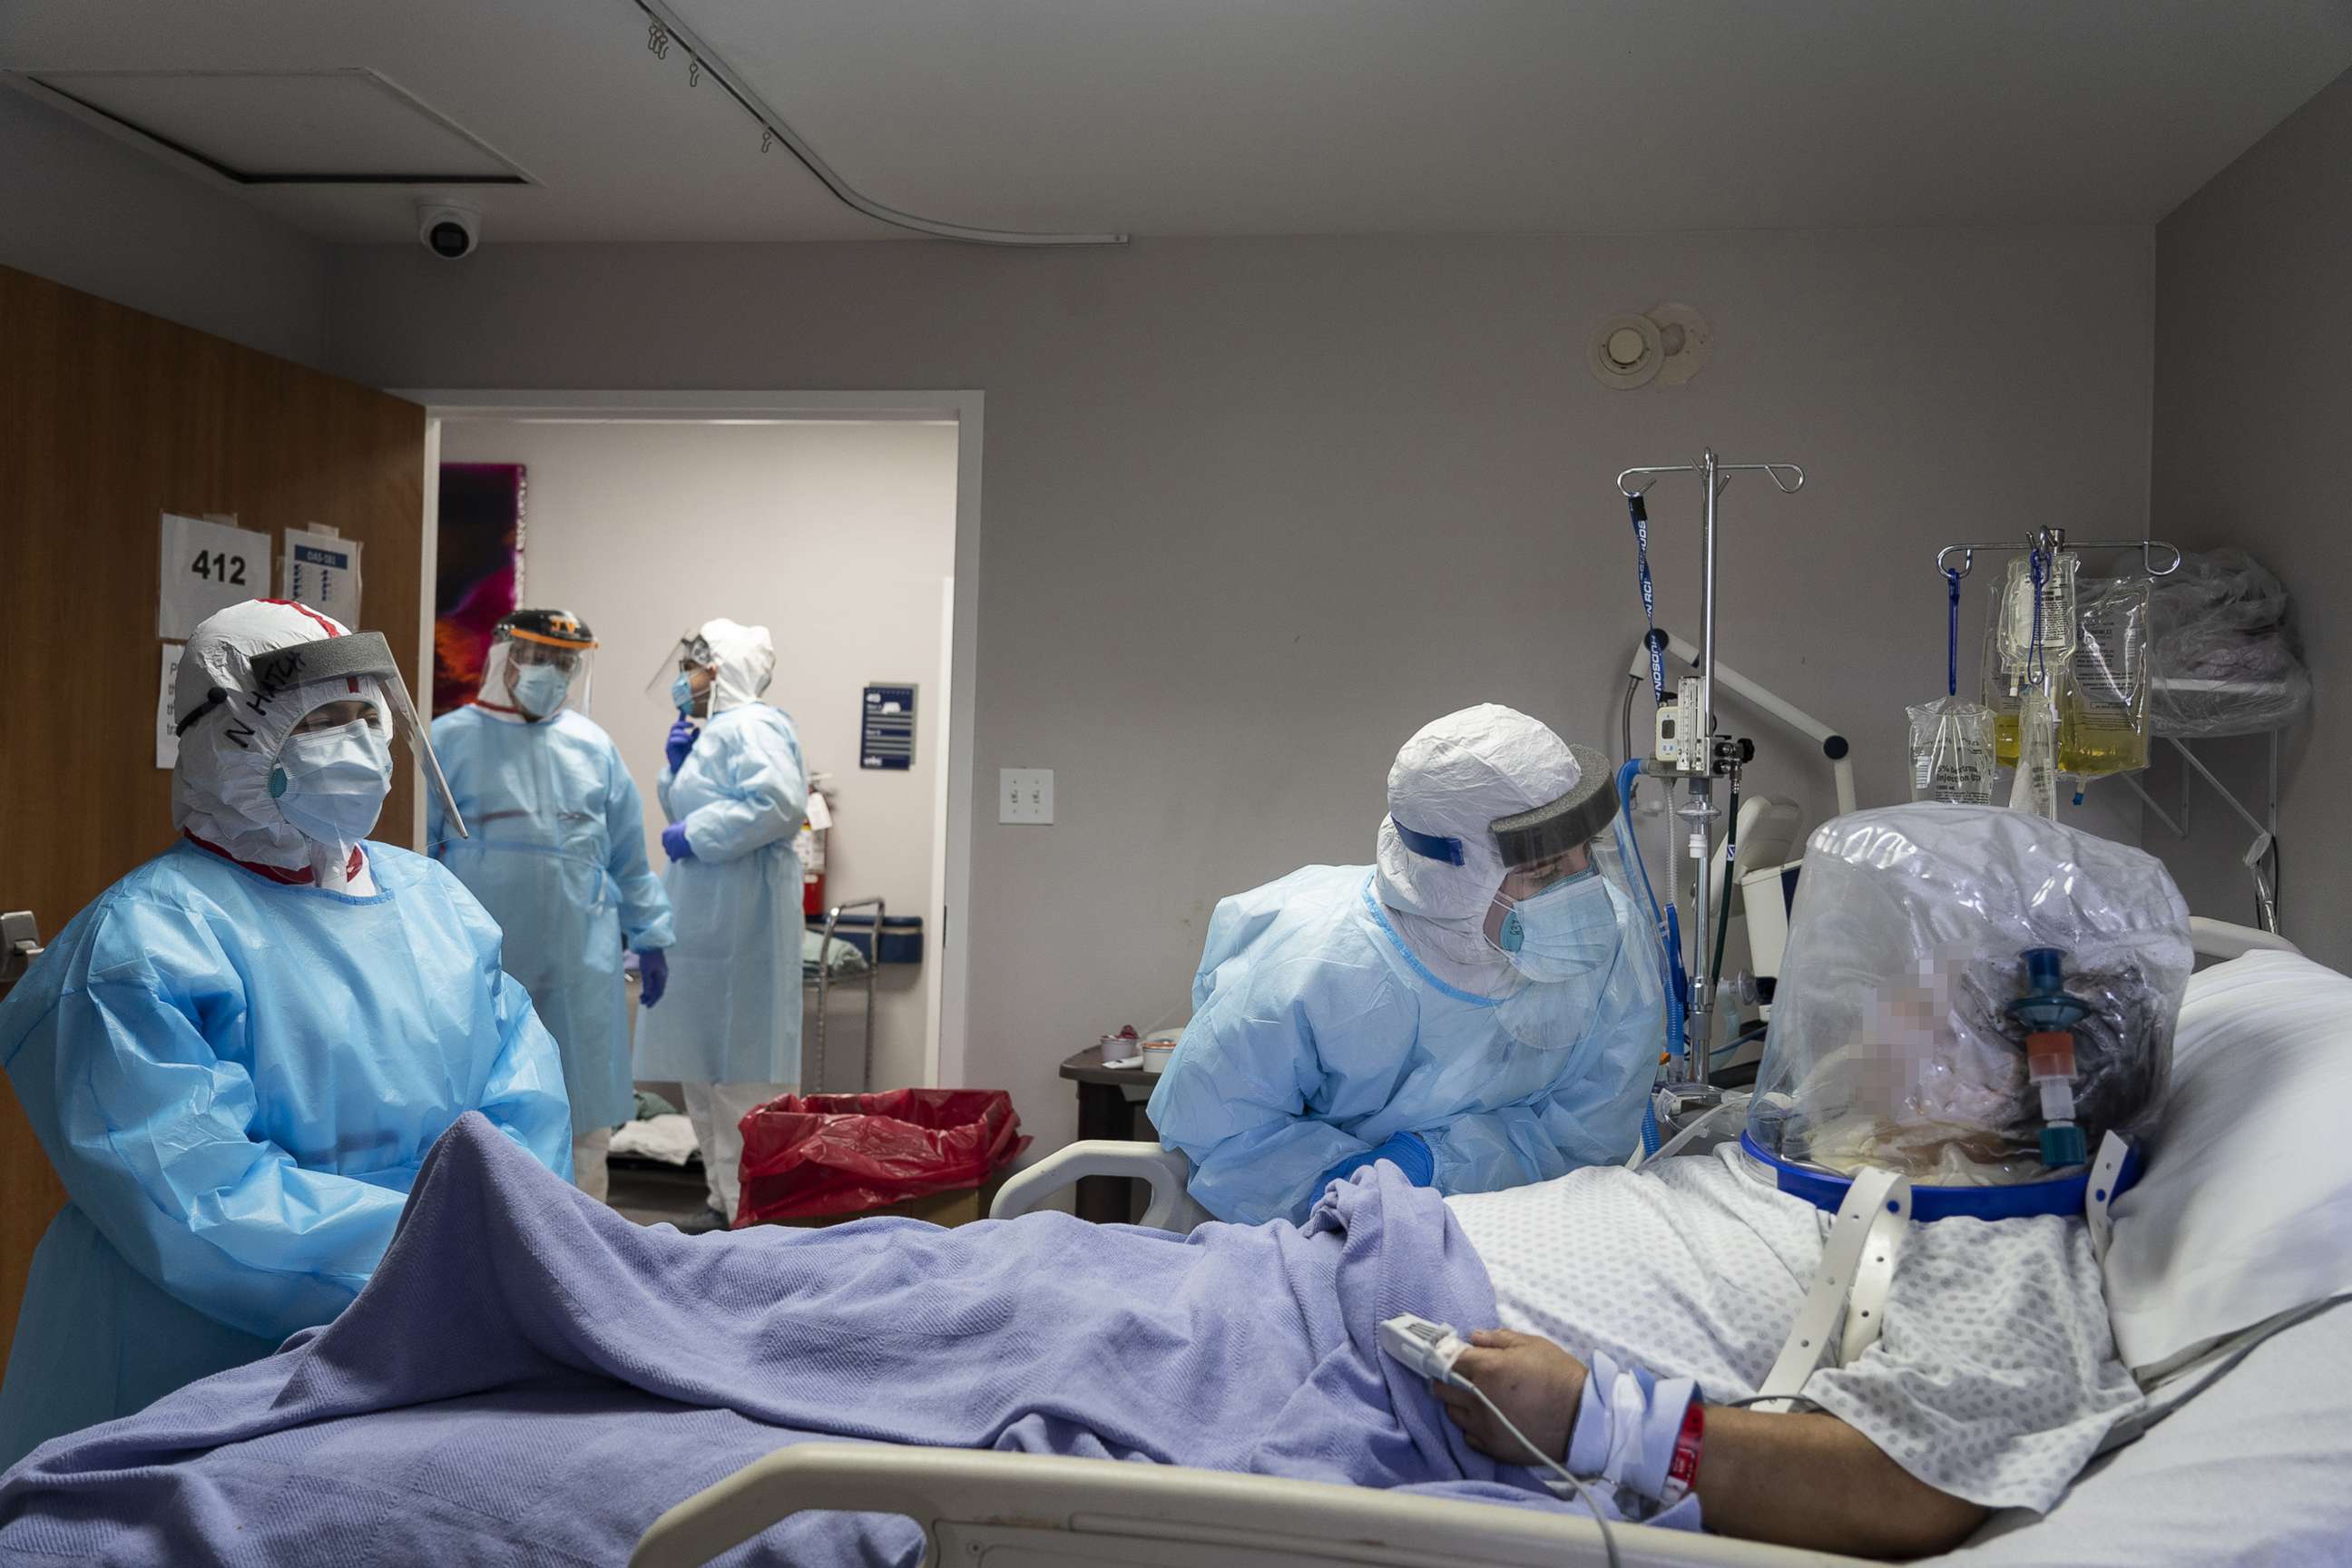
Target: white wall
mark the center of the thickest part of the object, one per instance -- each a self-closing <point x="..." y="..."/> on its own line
<point x="835" y="537"/>
<point x="1255" y="510"/>
<point x="2253" y="401"/>
<point x="83" y="210"/>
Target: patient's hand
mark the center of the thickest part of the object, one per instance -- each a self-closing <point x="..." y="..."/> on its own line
<point x="1531" y="1380"/>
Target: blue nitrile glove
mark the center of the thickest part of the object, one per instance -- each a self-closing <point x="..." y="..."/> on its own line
<point x="682" y="736"/>
<point x="653" y="975"/>
<point x="1405" y="1151"/>
<point x="674" y="844"/>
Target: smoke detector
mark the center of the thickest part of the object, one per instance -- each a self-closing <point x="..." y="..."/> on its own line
<point x="1668" y="345"/>
<point x="1626" y="352"/>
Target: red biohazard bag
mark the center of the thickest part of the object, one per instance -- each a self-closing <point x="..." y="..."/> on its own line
<point x="806" y="1155"/>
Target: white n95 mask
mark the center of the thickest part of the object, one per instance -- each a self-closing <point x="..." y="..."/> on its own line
<point x="331" y="784"/>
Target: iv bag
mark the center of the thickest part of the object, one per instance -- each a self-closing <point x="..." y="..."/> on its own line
<point x="2002" y="697"/>
<point x="1952" y="752"/>
<point x="2102" y="707"/>
<point x="2015" y="616"/>
<point x="2036" y="786"/>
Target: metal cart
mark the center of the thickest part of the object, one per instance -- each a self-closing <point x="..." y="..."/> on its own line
<point x="813" y="1078"/>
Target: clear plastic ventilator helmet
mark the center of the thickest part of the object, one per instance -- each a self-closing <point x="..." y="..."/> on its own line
<point x="538" y="665"/>
<point x="1971" y="998"/>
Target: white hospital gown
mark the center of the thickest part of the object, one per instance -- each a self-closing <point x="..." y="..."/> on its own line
<point x="1993" y="1379"/>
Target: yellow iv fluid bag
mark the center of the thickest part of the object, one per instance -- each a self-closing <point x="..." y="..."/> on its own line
<point x="2102" y="706"/>
<point x="2096" y="664"/>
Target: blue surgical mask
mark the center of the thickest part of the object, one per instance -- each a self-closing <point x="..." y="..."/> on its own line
<point x="1569" y="928"/>
<point x="331" y="784"/>
<point x="682" y="694"/>
<point x="539" y="688"/>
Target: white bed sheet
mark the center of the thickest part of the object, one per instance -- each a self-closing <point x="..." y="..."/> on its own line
<point x="2253" y="1472"/>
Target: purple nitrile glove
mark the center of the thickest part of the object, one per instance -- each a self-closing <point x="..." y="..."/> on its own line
<point x="682" y="736"/>
<point x="653" y="975"/>
<point x="674" y="842"/>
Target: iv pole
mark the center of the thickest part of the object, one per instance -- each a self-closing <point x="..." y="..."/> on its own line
<point x="1706" y="754"/>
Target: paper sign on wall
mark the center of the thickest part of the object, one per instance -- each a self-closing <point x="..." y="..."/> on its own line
<point x="322" y="571"/>
<point x="167" y="735"/>
<point x="206" y="566"/>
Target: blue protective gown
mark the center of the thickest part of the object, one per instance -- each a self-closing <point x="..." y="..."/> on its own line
<point x="733" y="1011"/>
<point x="1317" y="1033"/>
<point x="557" y="857"/>
<point x="238" y="1080"/>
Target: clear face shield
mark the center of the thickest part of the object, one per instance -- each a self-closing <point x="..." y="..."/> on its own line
<point x="536" y="676"/>
<point x="357" y="655"/>
<point x="685" y="676"/>
<point x="1566" y="919"/>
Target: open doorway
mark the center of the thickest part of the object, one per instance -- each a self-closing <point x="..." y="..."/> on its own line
<point x="846" y="524"/>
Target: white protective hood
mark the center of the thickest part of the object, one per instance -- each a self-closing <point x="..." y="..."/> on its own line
<point x="245" y="698"/>
<point x="1454" y="780"/>
<point x="746" y="657"/>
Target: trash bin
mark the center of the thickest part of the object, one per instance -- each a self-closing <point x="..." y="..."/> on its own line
<point x="930" y="1153"/>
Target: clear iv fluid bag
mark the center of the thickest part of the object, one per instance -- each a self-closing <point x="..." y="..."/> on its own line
<point x="1952" y="752"/>
<point x="2018" y="629"/>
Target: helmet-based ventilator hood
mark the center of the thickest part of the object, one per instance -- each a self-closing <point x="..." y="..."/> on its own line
<point x="1936" y="953"/>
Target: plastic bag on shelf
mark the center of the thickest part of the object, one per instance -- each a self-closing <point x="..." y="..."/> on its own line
<point x="2222" y="659"/>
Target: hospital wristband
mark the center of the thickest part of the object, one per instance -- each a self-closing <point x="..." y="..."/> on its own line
<point x="1682" y="1470"/>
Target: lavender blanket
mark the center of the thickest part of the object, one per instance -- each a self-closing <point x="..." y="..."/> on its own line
<point x="530" y="1378"/>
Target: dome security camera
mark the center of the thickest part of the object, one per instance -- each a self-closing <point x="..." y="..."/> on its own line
<point x="448" y="232"/>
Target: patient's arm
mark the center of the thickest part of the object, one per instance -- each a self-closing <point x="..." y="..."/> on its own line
<point x="1807" y="1478"/>
<point x="1791" y="1478"/>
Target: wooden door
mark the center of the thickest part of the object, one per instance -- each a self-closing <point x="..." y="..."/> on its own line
<point x="109" y="418"/>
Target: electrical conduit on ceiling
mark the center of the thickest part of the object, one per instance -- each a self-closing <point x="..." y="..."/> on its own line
<point x="666" y="27"/>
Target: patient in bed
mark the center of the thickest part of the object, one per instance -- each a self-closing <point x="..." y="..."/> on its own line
<point x="1973" y="1000"/>
<point x="531" y="1376"/>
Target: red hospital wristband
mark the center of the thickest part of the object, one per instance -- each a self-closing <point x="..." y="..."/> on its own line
<point x="1683" y="1468"/>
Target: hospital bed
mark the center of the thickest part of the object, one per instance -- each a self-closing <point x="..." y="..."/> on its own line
<point x="2249" y="1469"/>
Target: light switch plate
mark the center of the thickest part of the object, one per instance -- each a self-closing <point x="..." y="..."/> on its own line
<point x="1024" y="795"/>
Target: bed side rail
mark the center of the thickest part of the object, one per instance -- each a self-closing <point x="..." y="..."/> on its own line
<point x="2220" y="939"/>
<point x="1165" y="1169"/>
<point x="1010" y="1507"/>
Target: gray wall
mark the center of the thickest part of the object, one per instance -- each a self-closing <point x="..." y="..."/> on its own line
<point x="2253" y="406"/>
<point x="83" y="210"/>
<point x="836" y="537"/>
<point x="1257" y="509"/>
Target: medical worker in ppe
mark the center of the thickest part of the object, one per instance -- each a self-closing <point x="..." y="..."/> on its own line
<point x="237" y="1057"/>
<point x="735" y="793"/>
<point x="1481" y="1007"/>
<point x="557" y="855"/>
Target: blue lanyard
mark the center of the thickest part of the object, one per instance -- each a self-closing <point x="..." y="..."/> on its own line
<point x="2037" y="669"/>
<point x="1641" y="515"/>
<point x="1952" y="638"/>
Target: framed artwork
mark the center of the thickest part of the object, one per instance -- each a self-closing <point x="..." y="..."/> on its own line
<point x="478" y="575"/>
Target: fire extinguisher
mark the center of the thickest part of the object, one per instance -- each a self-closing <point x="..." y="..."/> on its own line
<point x="809" y="845"/>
